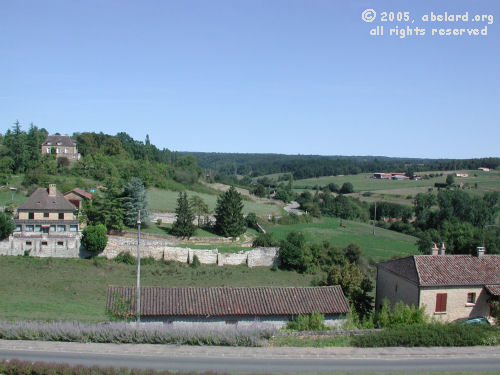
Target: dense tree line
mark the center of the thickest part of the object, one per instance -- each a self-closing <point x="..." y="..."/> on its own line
<point x="104" y="157"/>
<point x="309" y="166"/>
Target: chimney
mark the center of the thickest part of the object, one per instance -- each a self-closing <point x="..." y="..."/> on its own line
<point x="442" y="249"/>
<point x="480" y="251"/>
<point x="52" y="190"/>
<point x="434" y="249"/>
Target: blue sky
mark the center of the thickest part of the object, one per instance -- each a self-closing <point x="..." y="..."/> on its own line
<point x="281" y="76"/>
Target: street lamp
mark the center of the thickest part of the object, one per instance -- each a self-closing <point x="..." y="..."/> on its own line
<point x="138" y="266"/>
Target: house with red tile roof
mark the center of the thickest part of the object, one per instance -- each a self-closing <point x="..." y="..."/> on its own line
<point x="77" y="196"/>
<point x="450" y="287"/>
<point x="243" y="306"/>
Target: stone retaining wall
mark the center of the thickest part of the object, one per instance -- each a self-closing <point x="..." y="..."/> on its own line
<point x="157" y="249"/>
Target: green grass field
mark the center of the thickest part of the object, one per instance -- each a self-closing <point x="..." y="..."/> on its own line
<point x="75" y="289"/>
<point x="384" y="245"/>
<point x="487" y="181"/>
<point x="163" y="200"/>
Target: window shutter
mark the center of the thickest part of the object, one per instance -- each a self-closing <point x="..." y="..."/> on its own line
<point x="441" y="302"/>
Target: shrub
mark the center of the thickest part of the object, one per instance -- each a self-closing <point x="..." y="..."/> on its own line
<point x="401" y="315"/>
<point x="6" y="226"/>
<point x="291" y="253"/>
<point x="304" y="322"/>
<point x="94" y="238"/>
<point x="264" y="240"/>
<point x="196" y="262"/>
<point x="251" y="220"/>
<point x="144" y="334"/>
<point x="125" y="257"/>
<point x="435" y="334"/>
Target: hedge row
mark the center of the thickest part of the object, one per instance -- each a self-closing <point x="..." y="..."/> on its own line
<point x="435" y="334"/>
<point x="130" y="333"/>
<point x="16" y="367"/>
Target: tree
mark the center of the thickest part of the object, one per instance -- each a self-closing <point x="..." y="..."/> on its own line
<point x="94" y="238"/>
<point x="355" y="285"/>
<point x="106" y="208"/>
<point x="199" y="207"/>
<point x="260" y="191"/>
<point x="346" y="188"/>
<point x="229" y="220"/>
<point x="6" y="226"/>
<point x="183" y="225"/>
<point x="353" y="253"/>
<point x="450" y="179"/>
<point x="292" y="252"/>
<point x="134" y="199"/>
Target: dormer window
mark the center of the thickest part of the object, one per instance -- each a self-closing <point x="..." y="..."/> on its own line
<point x="49" y="143"/>
<point x="59" y="143"/>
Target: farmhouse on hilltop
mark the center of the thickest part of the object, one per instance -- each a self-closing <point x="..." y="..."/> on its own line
<point x="220" y="306"/>
<point x="450" y="286"/>
<point x="62" y="145"/>
<point x="46" y="226"/>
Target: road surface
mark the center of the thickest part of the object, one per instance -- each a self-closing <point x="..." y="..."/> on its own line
<point x="255" y="360"/>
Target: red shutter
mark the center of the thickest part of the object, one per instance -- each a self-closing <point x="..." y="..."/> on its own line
<point x="441" y="302"/>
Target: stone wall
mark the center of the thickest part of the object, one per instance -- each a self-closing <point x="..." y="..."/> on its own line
<point x="69" y="247"/>
<point x="60" y="245"/>
<point x="158" y="249"/>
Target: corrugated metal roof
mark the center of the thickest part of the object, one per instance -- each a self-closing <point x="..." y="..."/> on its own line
<point x="224" y="301"/>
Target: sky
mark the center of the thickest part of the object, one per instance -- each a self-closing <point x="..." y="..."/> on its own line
<point x="257" y="76"/>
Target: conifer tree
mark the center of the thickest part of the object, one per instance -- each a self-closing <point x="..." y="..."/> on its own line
<point x="183" y="225"/>
<point x="229" y="214"/>
<point x="134" y="199"/>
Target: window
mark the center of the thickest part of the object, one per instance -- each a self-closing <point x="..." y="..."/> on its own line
<point x="48" y="150"/>
<point x="19" y="228"/>
<point x="61" y="215"/>
<point x="45" y="214"/>
<point x="60" y="243"/>
<point x="30" y="228"/>
<point x="31" y="215"/>
<point x="61" y="228"/>
<point x="73" y="228"/>
<point x="52" y="228"/>
<point x="44" y="243"/>
<point x="58" y="150"/>
<point x="441" y="302"/>
<point x="471" y="297"/>
<point x="38" y="228"/>
<point x="65" y="150"/>
<point x="28" y="243"/>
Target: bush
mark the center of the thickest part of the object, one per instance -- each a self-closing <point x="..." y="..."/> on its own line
<point x="436" y="334"/>
<point x="6" y="226"/>
<point x="251" y="220"/>
<point x="291" y="253"/>
<point x="94" y="238"/>
<point x="401" y="315"/>
<point x="313" y="322"/>
<point x="196" y="262"/>
<point x="264" y="240"/>
<point x="125" y="257"/>
<point x="132" y="334"/>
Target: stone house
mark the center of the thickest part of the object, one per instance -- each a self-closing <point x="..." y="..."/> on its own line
<point x="450" y="287"/>
<point x="63" y="146"/>
<point x="46" y="225"/>
<point x="221" y="306"/>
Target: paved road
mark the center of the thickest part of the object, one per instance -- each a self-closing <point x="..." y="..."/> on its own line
<point x="269" y="360"/>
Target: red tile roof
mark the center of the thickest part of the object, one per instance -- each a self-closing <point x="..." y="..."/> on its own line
<point x="41" y="200"/>
<point x="219" y="301"/>
<point x="446" y="270"/>
<point x="493" y="290"/>
<point x="80" y="192"/>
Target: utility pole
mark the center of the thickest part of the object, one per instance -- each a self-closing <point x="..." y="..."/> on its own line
<point x="138" y="266"/>
<point x="374" y="218"/>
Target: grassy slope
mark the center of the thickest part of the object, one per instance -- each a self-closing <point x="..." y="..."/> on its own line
<point x="75" y="289"/>
<point x="164" y="200"/>
<point x="383" y="245"/>
<point x="487" y="181"/>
